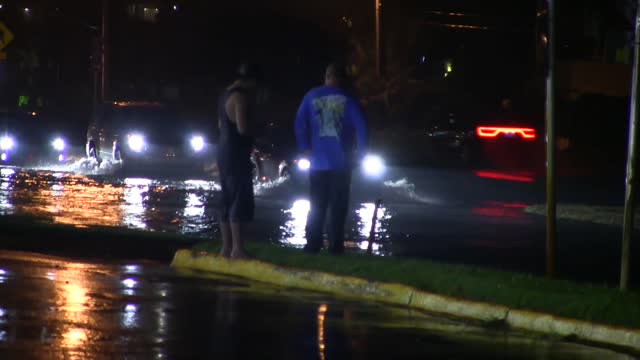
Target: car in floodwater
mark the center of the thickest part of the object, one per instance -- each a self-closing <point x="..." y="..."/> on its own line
<point x="29" y="138"/>
<point x="147" y="135"/>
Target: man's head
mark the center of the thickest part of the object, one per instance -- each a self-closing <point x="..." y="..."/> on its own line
<point x="336" y="75"/>
<point x="249" y="74"/>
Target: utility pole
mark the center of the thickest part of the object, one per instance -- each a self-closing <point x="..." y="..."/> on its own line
<point x="104" y="53"/>
<point x="630" y="192"/>
<point x="551" y="142"/>
<point x="378" y="45"/>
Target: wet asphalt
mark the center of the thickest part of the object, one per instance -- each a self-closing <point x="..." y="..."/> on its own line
<point x="473" y="217"/>
<point x="60" y="308"/>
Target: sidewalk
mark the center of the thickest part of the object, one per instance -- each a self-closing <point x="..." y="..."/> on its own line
<point x="603" y="215"/>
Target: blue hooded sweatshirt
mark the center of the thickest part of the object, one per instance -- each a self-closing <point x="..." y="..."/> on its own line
<point x="331" y="125"/>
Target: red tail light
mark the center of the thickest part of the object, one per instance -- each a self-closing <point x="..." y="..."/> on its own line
<point x="494" y="131"/>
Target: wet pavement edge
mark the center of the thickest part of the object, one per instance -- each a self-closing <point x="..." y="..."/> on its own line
<point x="407" y="296"/>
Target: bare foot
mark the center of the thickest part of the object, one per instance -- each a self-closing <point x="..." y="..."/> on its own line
<point x="225" y="252"/>
<point x="239" y="254"/>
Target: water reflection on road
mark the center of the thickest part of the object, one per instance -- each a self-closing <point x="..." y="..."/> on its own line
<point x="185" y="207"/>
<point x="82" y="201"/>
<point x="55" y="308"/>
<point x="188" y="207"/>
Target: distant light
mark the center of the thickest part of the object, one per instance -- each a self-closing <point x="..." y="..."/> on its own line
<point x="373" y="165"/>
<point x="6" y="143"/>
<point x="33" y="113"/>
<point x="449" y="67"/>
<point x="59" y="144"/>
<point x="136" y="143"/>
<point x="129" y="283"/>
<point x="197" y="143"/>
<point x="423" y="59"/>
<point x="1" y="6"/>
<point x="132" y="269"/>
<point x="27" y="10"/>
<point x="61" y="158"/>
<point x="304" y="164"/>
<point x="175" y="7"/>
<point x="4" y="157"/>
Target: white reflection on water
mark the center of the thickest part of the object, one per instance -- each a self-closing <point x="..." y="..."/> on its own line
<point x="364" y="222"/>
<point x="194" y="207"/>
<point x="5" y="190"/>
<point x="293" y="231"/>
<point x="130" y="317"/>
<point x="5" y="196"/>
<point x="134" y="207"/>
<point x="6" y="172"/>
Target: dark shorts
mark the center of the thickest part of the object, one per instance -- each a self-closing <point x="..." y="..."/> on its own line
<point x="237" y="197"/>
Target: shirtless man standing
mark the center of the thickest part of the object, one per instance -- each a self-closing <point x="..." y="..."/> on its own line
<point x="236" y="120"/>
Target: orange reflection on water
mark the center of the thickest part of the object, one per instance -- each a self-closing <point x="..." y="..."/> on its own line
<point x="322" y="314"/>
<point x="73" y="301"/>
<point x="70" y="199"/>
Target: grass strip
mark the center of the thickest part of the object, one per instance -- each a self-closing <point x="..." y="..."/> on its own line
<point x="586" y="302"/>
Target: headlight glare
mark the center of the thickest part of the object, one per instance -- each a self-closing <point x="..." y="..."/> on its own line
<point x="304" y="164"/>
<point x="197" y="143"/>
<point x="136" y="143"/>
<point x="373" y="165"/>
<point x="6" y="143"/>
<point x="59" y="144"/>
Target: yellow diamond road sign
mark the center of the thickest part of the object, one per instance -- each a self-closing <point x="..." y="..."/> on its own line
<point x="5" y="35"/>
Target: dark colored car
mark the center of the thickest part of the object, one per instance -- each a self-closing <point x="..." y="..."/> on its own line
<point x="141" y="134"/>
<point x="502" y="138"/>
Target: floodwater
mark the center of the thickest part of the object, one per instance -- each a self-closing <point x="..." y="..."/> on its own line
<point x="56" y="308"/>
<point x="177" y="206"/>
<point x="456" y="216"/>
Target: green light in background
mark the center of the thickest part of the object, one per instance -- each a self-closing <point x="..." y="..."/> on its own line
<point x="23" y="100"/>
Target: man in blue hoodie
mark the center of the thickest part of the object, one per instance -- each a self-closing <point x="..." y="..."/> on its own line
<point x="331" y="130"/>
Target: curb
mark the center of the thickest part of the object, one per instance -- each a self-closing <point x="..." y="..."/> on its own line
<point x="397" y="294"/>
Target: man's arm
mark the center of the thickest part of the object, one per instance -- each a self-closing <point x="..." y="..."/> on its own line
<point x="303" y="132"/>
<point x="241" y="113"/>
<point x="359" y="122"/>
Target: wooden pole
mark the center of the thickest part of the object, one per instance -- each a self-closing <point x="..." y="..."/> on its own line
<point x="551" y="143"/>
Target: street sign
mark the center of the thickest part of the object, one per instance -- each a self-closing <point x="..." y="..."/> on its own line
<point x="6" y="36"/>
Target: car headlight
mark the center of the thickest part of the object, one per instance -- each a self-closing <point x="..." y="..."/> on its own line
<point x="136" y="143"/>
<point x="59" y="144"/>
<point x="373" y="165"/>
<point x="197" y="143"/>
<point x="304" y="164"/>
<point x="6" y="143"/>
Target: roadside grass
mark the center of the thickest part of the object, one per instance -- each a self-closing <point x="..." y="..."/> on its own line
<point x="593" y="303"/>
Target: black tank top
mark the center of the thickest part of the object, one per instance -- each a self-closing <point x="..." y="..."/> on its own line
<point x="234" y="149"/>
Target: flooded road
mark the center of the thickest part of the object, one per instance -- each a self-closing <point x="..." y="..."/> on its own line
<point x="456" y="216"/>
<point x="55" y="308"/>
<point x="188" y="206"/>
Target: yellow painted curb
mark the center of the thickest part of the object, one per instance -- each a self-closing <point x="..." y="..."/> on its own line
<point x="405" y="295"/>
